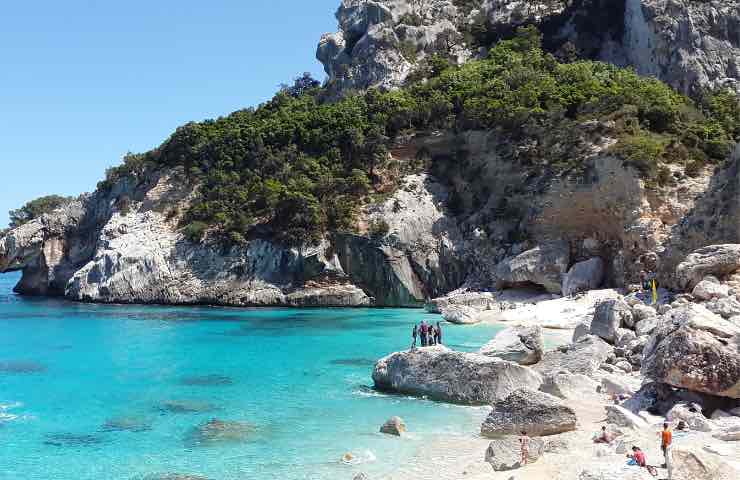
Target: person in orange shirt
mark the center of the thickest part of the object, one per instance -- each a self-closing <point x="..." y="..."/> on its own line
<point x="666" y="438"/>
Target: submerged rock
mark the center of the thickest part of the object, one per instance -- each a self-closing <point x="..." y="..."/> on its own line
<point x="697" y="350"/>
<point x="534" y="412"/>
<point x="186" y="406"/>
<point x="523" y="344"/>
<point x="21" y="367"/>
<point x="130" y="424"/>
<point x="174" y="476"/>
<point x="72" y="440"/>
<point x="394" y="426"/>
<point x="207" y="380"/>
<point x="217" y="431"/>
<point x="442" y="374"/>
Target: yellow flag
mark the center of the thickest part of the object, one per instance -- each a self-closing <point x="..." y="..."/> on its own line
<point x="655" y="293"/>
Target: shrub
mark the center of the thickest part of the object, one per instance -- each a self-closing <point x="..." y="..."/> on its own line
<point x="195" y="231"/>
<point x="36" y="208"/>
<point x="641" y="151"/>
<point x="378" y="228"/>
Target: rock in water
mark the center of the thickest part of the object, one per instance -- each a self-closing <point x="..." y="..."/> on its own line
<point x="523" y="345"/>
<point x="460" y="314"/>
<point x="584" y="357"/>
<point x="609" y="316"/>
<point x="531" y="411"/>
<point x="697" y="350"/>
<point x="506" y="453"/>
<point x="584" y="276"/>
<point x="442" y="374"/>
<point x="394" y="426"/>
<point x="217" y="431"/>
<point x="718" y="260"/>
<point x="544" y="265"/>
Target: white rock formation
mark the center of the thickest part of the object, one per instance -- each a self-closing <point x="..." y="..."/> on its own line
<point x="523" y="345"/>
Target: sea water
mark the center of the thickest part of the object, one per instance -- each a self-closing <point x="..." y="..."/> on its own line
<point x="115" y="392"/>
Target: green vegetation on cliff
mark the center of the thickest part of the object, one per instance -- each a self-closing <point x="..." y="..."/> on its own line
<point x="297" y="166"/>
<point x="35" y="208"/>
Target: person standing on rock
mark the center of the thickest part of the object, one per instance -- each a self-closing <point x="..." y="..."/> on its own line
<point x="666" y="439"/>
<point x="414" y="334"/>
<point x="524" y="442"/>
<point x="439" y="334"/>
<point x="424" y="330"/>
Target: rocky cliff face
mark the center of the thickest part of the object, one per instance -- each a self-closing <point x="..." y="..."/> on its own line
<point x="93" y="251"/>
<point x="688" y="44"/>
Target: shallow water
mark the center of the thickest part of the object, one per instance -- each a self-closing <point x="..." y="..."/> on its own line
<point x="116" y="392"/>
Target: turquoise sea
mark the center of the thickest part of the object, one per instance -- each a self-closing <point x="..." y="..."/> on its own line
<point x="90" y="392"/>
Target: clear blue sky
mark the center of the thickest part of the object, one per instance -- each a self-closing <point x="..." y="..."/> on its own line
<point x="84" y="81"/>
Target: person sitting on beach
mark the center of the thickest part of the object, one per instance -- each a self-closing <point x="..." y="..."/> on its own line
<point x="603" y="437"/>
<point x="524" y="442"/>
<point x="638" y="456"/>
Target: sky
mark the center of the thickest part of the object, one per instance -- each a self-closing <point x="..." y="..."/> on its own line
<point x="82" y="82"/>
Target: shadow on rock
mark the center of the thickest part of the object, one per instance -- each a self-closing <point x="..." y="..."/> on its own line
<point x="207" y="380"/>
<point x="21" y="368"/>
<point x="219" y="432"/>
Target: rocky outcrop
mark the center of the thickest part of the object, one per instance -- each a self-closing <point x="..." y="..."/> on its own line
<point x="476" y="300"/>
<point x="90" y="250"/>
<point x="543" y="265"/>
<point x="534" y="412"/>
<point x="717" y="260"/>
<point x="584" y="276"/>
<point x="609" y="317"/>
<point x="695" y="349"/>
<point x="523" y="345"/>
<point x="394" y="426"/>
<point x="461" y="315"/>
<point x="688" y="45"/>
<point x="442" y="374"/>
<point x="568" y="386"/>
<point x="582" y="357"/>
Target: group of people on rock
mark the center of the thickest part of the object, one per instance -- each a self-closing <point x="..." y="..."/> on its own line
<point x="428" y="334"/>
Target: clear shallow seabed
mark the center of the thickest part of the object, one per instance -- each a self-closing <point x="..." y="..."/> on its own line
<point x="300" y="378"/>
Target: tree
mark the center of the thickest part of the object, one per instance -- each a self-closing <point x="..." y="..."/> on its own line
<point x="36" y="208"/>
<point x="302" y="85"/>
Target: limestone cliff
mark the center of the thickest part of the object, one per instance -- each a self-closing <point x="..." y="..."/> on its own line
<point x="92" y="250"/>
<point x="688" y="44"/>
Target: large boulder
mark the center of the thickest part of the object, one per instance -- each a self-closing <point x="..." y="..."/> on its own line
<point x="622" y="417"/>
<point x="583" y="357"/>
<point x="394" y="426"/>
<point x="442" y="374"/>
<point x="697" y="350"/>
<point x="506" y="453"/>
<point x="460" y="314"/>
<point x="534" y="412"/>
<point x="690" y="464"/>
<point x="544" y="265"/>
<point x="710" y="288"/>
<point x="727" y="307"/>
<point x="609" y="316"/>
<point x="476" y="300"/>
<point x="691" y="414"/>
<point x="569" y="386"/>
<point x="584" y="276"/>
<point x="717" y="260"/>
<point x="522" y="344"/>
